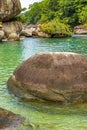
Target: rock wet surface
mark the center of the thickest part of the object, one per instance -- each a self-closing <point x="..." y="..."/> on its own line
<point x="9" y="120"/>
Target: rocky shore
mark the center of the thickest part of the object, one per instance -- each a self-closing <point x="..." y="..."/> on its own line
<point x="8" y="29"/>
<point x="80" y="29"/>
<point x="36" y="31"/>
<point x="15" y="31"/>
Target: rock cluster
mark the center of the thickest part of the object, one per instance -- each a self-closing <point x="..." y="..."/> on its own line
<point x="60" y="77"/>
<point x="8" y="29"/>
<point x="33" y="31"/>
<point x="36" y="31"/>
<point x="12" y="30"/>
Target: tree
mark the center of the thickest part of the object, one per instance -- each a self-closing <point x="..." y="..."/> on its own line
<point x="72" y="12"/>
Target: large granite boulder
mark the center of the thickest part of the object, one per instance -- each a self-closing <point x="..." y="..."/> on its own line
<point x="60" y="77"/>
<point x="9" y="120"/>
<point x="9" y="9"/>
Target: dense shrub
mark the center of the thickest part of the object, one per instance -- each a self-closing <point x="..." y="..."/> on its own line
<point x="55" y="27"/>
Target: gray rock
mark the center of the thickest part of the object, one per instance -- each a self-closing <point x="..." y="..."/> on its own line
<point x="60" y="77"/>
<point x="33" y="31"/>
<point x="26" y="32"/>
<point x="42" y="34"/>
<point x="12" y="27"/>
<point x="10" y="31"/>
<point x="9" y="9"/>
<point x="13" y="37"/>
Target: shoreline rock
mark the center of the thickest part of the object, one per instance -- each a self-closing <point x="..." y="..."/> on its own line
<point x="11" y="31"/>
<point x="36" y="31"/>
<point x="8" y="29"/>
<point x="33" y="31"/>
<point x="60" y="77"/>
<point x="80" y="29"/>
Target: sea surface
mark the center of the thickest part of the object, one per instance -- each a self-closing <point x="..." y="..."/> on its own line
<point x="40" y="115"/>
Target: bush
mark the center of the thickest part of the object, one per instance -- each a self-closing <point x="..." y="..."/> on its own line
<point x="85" y="25"/>
<point x="56" y="27"/>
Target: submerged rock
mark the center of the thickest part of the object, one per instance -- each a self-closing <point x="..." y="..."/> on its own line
<point x="9" y="120"/>
<point x="9" y="9"/>
<point x="60" y="77"/>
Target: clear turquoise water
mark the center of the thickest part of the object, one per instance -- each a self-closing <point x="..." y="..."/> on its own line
<point x="40" y="115"/>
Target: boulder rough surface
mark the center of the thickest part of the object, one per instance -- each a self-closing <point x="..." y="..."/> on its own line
<point x="33" y="31"/>
<point x="10" y="30"/>
<point x="60" y="77"/>
<point x="9" y="9"/>
<point x="12" y="27"/>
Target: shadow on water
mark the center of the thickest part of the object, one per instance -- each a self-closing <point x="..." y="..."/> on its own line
<point x="53" y="116"/>
<point x="54" y="108"/>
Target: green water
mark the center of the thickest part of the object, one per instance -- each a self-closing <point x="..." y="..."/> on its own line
<point x="40" y="115"/>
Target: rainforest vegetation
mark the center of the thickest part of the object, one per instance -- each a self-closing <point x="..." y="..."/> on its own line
<point x="68" y="13"/>
<point x="72" y="12"/>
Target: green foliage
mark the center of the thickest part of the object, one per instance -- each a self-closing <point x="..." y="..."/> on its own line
<point x="72" y="12"/>
<point x="85" y="25"/>
<point x="34" y="13"/>
<point x="0" y="23"/>
<point x="55" y="26"/>
<point x="21" y="17"/>
<point x="82" y="14"/>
